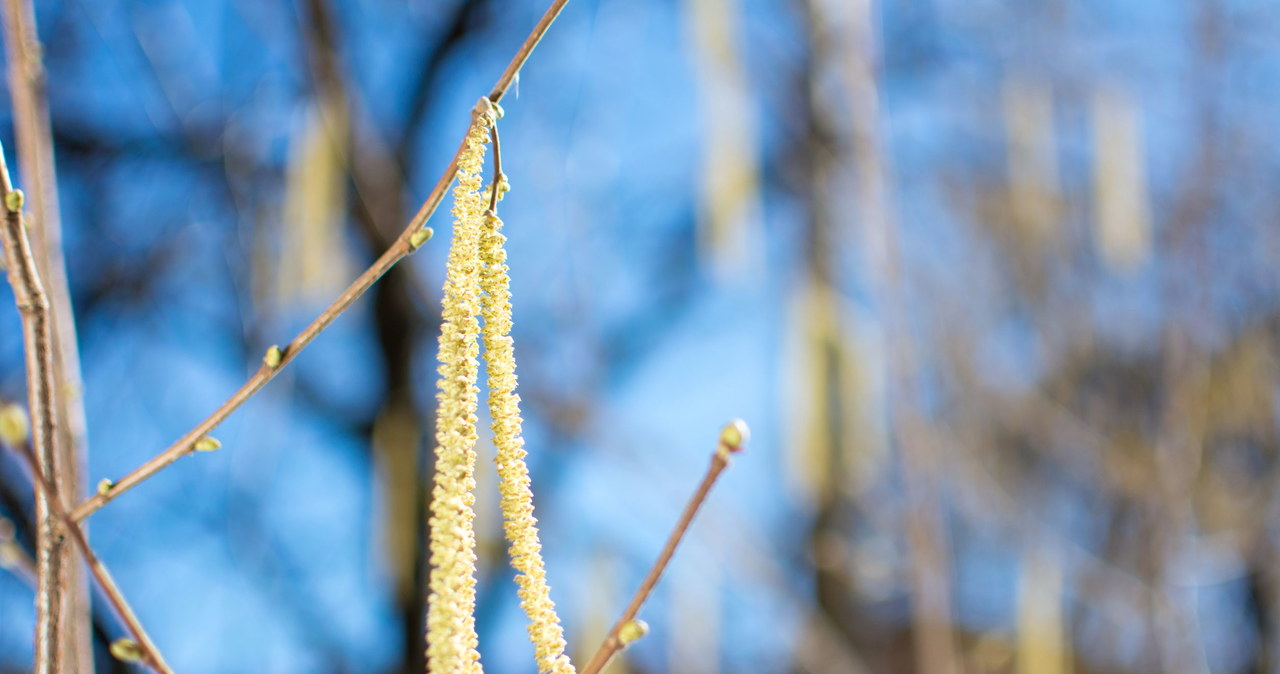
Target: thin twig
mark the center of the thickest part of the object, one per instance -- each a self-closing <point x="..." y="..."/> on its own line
<point x="52" y="520"/>
<point x="495" y="190"/>
<point x="36" y="159"/>
<point x="150" y="654"/>
<point x="33" y="305"/>
<point x="732" y="439"/>
<point x="512" y="72"/>
<point x="398" y="250"/>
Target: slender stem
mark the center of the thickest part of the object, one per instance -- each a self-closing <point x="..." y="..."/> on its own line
<point x="517" y="62"/>
<point x="35" y="153"/>
<point x="613" y="643"/>
<point x="52" y="519"/>
<point x="33" y="305"/>
<point x="151" y="654"/>
<point x="495" y="190"/>
<point x="398" y="250"/>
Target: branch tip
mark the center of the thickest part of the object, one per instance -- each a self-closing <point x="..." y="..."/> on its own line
<point x="628" y="628"/>
<point x="734" y="436"/>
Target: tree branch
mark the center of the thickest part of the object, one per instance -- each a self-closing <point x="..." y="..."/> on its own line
<point x="628" y="629"/>
<point x="52" y="522"/>
<point x="403" y="246"/>
<point x="35" y="155"/>
<point x="37" y="337"/>
<point x="150" y="655"/>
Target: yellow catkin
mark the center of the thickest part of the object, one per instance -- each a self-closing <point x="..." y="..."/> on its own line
<point x="452" y="644"/>
<point x="517" y="497"/>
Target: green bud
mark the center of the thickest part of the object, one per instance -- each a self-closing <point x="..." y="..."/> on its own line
<point x="208" y="444"/>
<point x="420" y="237"/>
<point x="273" y="357"/>
<point x="104" y="487"/>
<point x="127" y="650"/>
<point x="14" y="428"/>
<point x="632" y="631"/>
<point x="13" y="201"/>
<point x="734" y="435"/>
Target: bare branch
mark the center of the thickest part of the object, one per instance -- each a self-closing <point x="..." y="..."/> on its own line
<point x="150" y="655"/>
<point x="35" y="155"/>
<point x="33" y="305"/>
<point x="628" y="628"/>
<point x="52" y="522"/>
<point x="407" y="242"/>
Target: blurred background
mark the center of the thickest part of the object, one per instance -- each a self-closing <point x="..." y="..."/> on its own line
<point x="992" y="282"/>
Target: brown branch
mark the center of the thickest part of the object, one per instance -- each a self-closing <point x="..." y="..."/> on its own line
<point x="512" y="73"/>
<point x="495" y="190"/>
<point x="150" y="655"/>
<point x="52" y="521"/>
<point x="35" y="155"/>
<point x="398" y="250"/>
<point x="627" y="629"/>
<point x="33" y="305"/>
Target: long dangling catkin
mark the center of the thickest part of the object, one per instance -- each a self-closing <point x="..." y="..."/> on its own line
<point x="517" y="496"/>
<point x="452" y="644"/>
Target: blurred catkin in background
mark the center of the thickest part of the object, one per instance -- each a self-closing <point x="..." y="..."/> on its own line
<point x="1028" y="245"/>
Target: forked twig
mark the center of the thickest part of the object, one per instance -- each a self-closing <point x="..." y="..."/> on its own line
<point x="628" y="629"/>
<point x="52" y="516"/>
<point x="150" y="655"/>
<point x="406" y="243"/>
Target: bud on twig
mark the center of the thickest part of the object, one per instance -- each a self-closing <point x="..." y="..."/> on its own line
<point x="273" y="357"/>
<point x="420" y="237"/>
<point x="629" y="628"/>
<point x="733" y="437"/>
<point x="207" y="444"/>
<point x="127" y="650"/>
<point x="632" y="631"/>
<point x="13" y="201"/>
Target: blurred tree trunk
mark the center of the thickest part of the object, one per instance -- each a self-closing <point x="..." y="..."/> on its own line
<point x="918" y="458"/>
